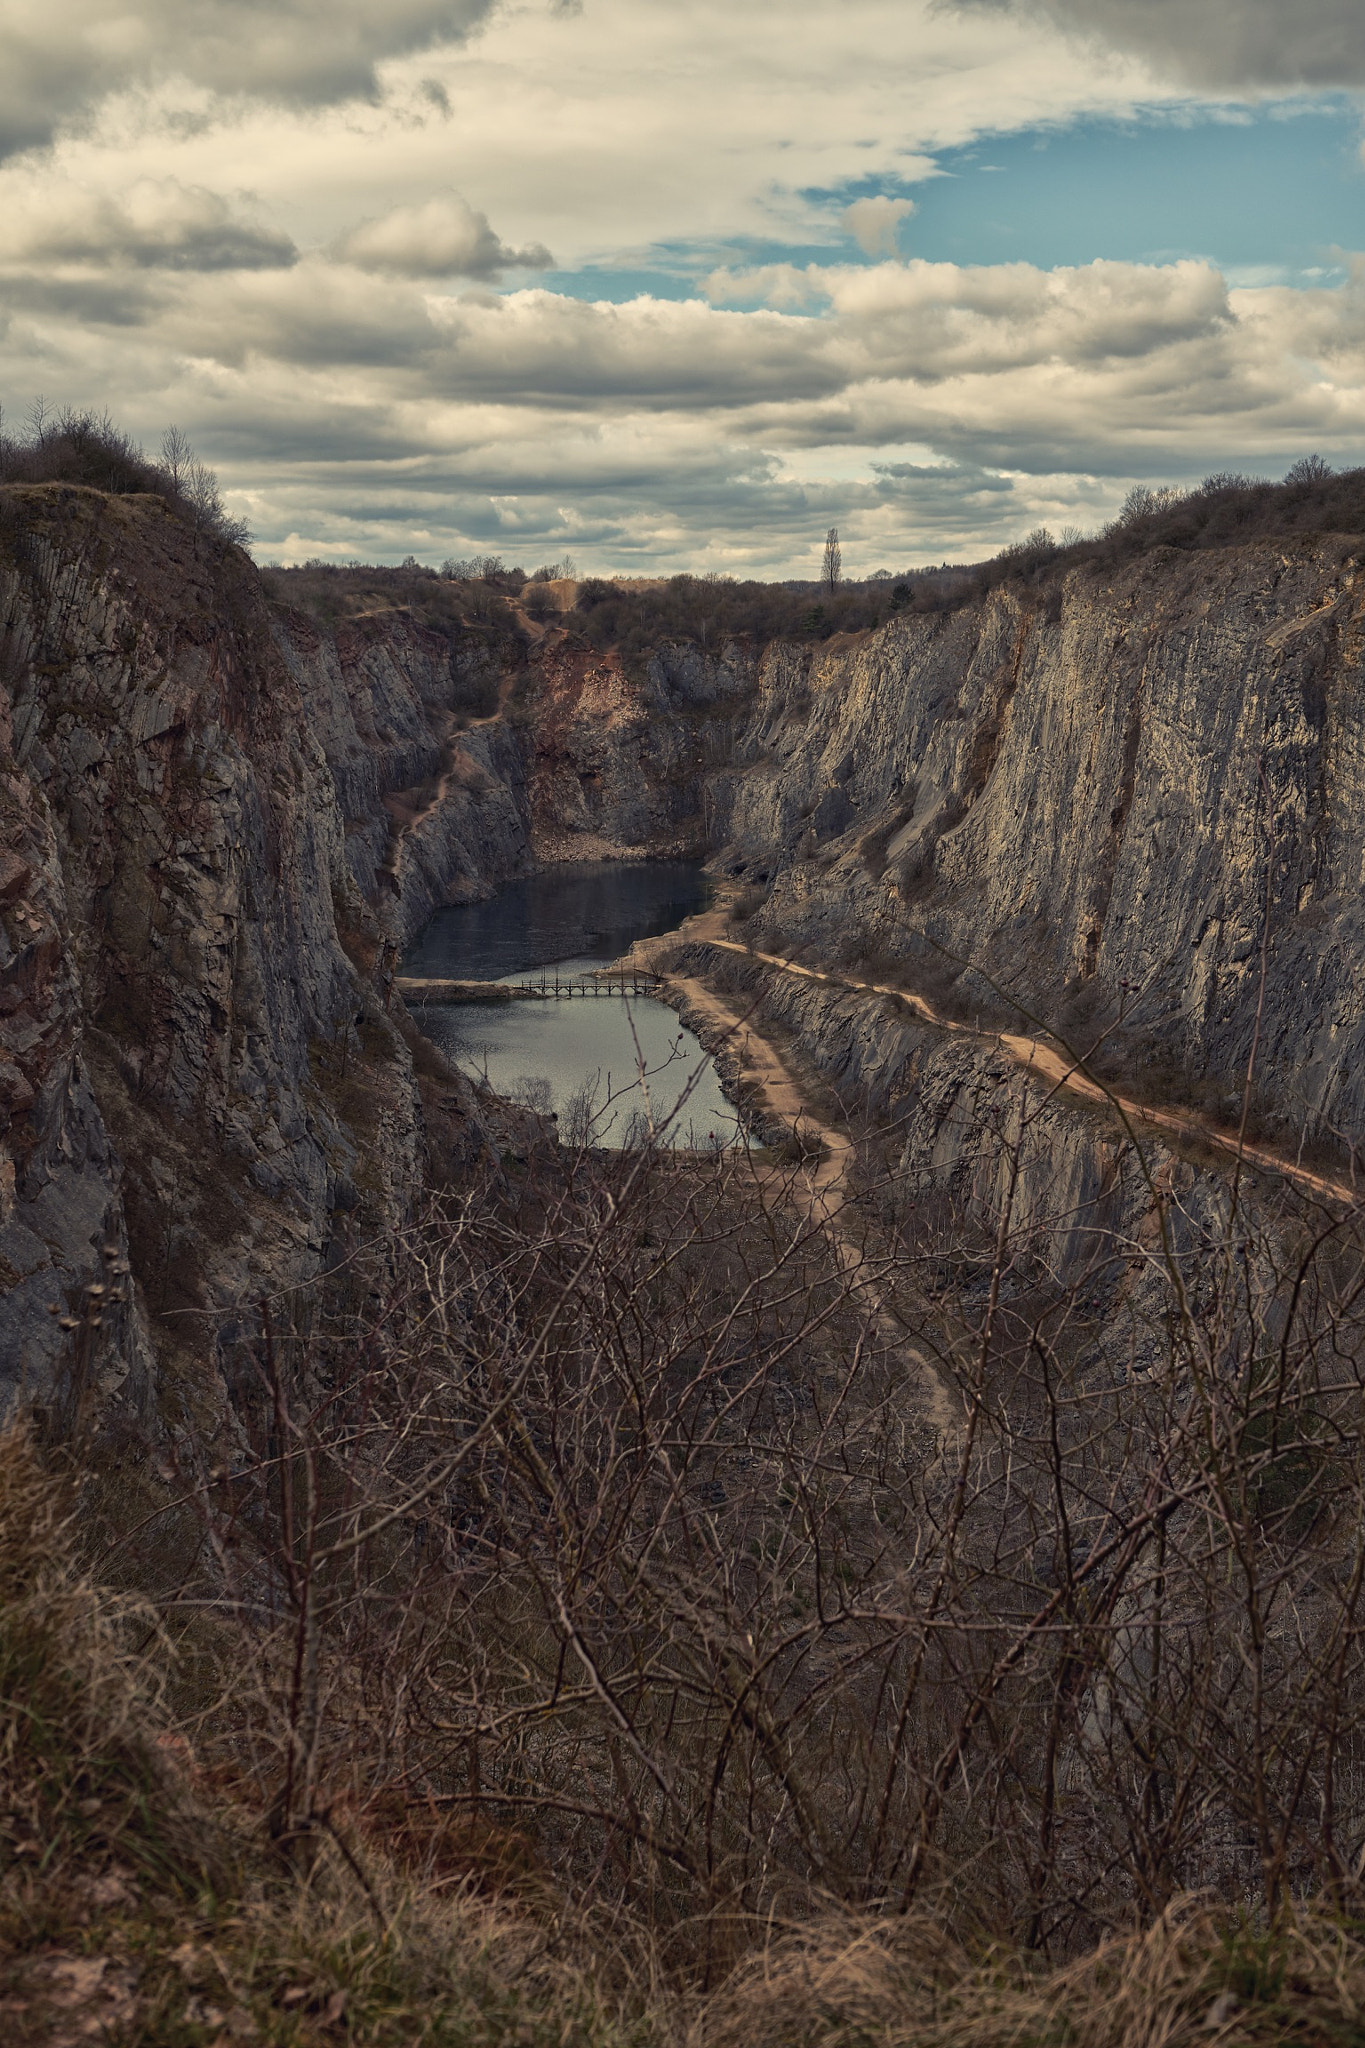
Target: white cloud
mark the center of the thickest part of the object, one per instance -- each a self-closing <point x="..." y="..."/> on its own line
<point x="353" y="398"/>
<point x="873" y="223"/>
<point x="636" y="126"/>
<point x="929" y="409"/>
<point x="440" y="237"/>
<point x="786" y="287"/>
<point x="156" y="223"/>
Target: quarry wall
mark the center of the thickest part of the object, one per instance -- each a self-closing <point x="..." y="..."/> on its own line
<point x="1134" y="805"/>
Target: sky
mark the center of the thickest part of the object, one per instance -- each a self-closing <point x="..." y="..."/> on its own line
<point x="676" y="284"/>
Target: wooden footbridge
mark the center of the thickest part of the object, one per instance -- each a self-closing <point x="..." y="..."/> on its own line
<point x="554" y="988"/>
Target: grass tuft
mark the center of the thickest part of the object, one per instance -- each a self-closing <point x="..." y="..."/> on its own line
<point x="86" y="1782"/>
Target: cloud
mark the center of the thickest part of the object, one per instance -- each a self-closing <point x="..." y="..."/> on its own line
<point x="157" y="223"/>
<point x="442" y="237"/>
<point x="936" y="320"/>
<point x="783" y="286"/>
<point x="1105" y="368"/>
<point x="927" y="409"/>
<point x="59" y="56"/>
<point x="373" y="395"/>
<point x="873" y="223"/>
<point x="1220" y="43"/>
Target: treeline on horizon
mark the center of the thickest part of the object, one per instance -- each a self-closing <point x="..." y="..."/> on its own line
<point x="633" y="616"/>
<point x="1227" y="509"/>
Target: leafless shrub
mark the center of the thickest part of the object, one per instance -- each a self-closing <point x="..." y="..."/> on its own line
<point x="616" y="1513"/>
<point x="747" y="902"/>
<point x="85" y="447"/>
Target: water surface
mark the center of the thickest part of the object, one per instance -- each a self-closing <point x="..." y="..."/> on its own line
<point x="583" y="913"/>
<point x="601" y="1064"/>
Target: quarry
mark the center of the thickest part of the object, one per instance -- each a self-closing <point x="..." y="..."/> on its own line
<point x="930" y="1518"/>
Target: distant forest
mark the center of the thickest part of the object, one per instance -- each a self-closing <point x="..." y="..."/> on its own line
<point x="83" y="448"/>
<point x="1223" y="511"/>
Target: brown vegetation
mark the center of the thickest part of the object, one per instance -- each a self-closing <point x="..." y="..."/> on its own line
<point x="586" y="1549"/>
<point x="86" y="448"/>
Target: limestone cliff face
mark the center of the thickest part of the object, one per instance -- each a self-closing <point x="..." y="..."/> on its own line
<point x="434" y="805"/>
<point x="219" y="822"/>
<point x="955" y="1108"/>
<point x="587" y="756"/>
<point x="1121" y="798"/>
<point x="620" y="757"/>
<point x="198" y="1080"/>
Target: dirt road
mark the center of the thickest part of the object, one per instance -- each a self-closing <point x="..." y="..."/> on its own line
<point x="826" y="1177"/>
<point x="823" y="1176"/>
<point x="1048" y="1062"/>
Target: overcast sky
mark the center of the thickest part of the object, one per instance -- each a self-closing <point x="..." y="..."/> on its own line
<point x="676" y="284"/>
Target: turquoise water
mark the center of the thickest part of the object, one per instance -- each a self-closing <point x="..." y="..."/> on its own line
<point x="606" y="1066"/>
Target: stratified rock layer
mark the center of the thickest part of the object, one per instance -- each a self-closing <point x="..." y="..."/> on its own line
<point x="1137" y="801"/>
<point x="198" y="1080"/>
<point x="1124" y="800"/>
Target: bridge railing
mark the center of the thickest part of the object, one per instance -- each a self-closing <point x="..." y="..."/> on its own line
<point x="547" y="988"/>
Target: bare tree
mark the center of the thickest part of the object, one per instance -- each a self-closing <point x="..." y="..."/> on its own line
<point x="176" y="455"/>
<point x="604" y="1505"/>
<point x="832" y="568"/>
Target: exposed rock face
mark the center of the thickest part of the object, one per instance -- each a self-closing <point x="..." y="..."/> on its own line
<point x="178" y="1008"/>
<point x="434" y="805"/>
<point x="621" y="758"/>
<point x="220" y="824"/>
<point x="1121" y="803"/>
<point x="958" y="1109"/>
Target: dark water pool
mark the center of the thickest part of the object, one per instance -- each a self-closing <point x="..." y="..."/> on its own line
<point x="584" y="912"/>
<point x="599" y="1063"/>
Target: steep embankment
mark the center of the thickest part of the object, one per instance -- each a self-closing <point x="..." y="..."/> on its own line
<point x="222" y="817"/>
<point x="620" y="755"/>
<point x="433" y="799"/>
<point x="1116" y="802"/>
<point x="577" y="754"/>
<point x="202" y="1093"/>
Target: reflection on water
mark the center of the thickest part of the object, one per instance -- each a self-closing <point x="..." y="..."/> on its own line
<point x="583" y="912"/>
<point x="548" y="1053"/>
<point x="582" y="1059"/>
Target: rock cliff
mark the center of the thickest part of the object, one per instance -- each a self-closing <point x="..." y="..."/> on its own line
<point x="1132" y="801"/>
<point x="1117" y="802"/>
<point x="621" y="755"/>
<point x="202" y="1090"/>
<point x="433" y="802"/>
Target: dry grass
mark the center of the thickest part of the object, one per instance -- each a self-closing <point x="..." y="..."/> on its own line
<point x="84" y="1782"/>
<point x="142" y="1904"/>
<point x="1195" y="1977"/>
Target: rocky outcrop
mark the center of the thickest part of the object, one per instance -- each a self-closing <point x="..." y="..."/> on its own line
<point x="201" y="1089"/>
<point x="956" y="1123"/>
<point x="622" y="755"/>
<point x="222" y="822"/>
<point x="1116" y="802"/>
<point x="433" y="802"/>
<point x="1136" y="801"/>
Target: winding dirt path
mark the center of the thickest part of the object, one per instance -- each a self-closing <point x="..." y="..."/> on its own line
<point x="1037" y="1056"/>
<point x="823" y="1177"/>
<point x="826" y="1180"/>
